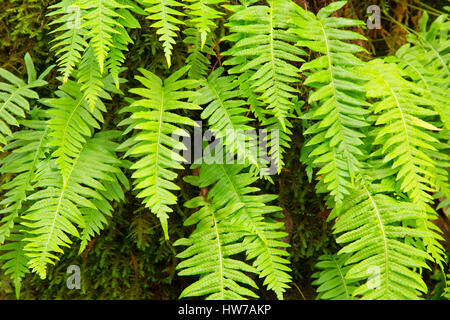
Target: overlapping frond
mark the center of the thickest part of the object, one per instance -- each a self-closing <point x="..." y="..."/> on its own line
<point x="72" y="122"/>
<point x="154" y="116"/>
<point x="14" y="95"/>
<point x="413" y="61"/>
<point x="166" y="23"/>
<point x="197" y="57"/>
<point x="404" y="137"/>
<point x="372" y="226"/>
<point x="230" y="185"/>
<point x="203" y="14"/>
<point x="263" y="45"/>
<point x="211" y="246"/>
<point x="226" y="114"/>
<point x="339" y="109"/>
<point x="330" y="279"/>
<point x="27" y="149"/>
<point x="56" y="213"/>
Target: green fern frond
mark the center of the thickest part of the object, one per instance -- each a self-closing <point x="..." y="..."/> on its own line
<point x="226" y="114"/>
<point x="203" y="14"/>
<point x="338" y="101"/>
<point x="209" y="254"/>
<point x="166" y="22"/>
<point x="27" y="149"/>
<point x="14" y="95"/>
<point x="114" y="186"/>
<point x="371" y="225"/>
<point x="16" y="261"/>
<point x="404" y="138"/>
<point x="197" y="57"/>
<point x="263" y="234"/>
<point x="421" y="70"/>
<point x="121" y="40"/>
<point x="263" y="45"/>
<point x="72" y="123"/>
<point x="101" y="23"/>
<point x="58" y="203"/>
<point x="153" y="115"/>
<point x="70" y="44"/>
<point x="331" y="281"/>
<point x="434" y="42"/>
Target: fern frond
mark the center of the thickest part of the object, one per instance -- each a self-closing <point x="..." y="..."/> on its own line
<point x="14" y="95"/>
<point x="197" y="55"/>
<point x="264" y="46"/>
<point x="153" y="115"/>
<point x="226" y="114"/>
<point x="331" y="281"/>
<point x="16" y="261"/>
<point x="414" y="62"/>
<point x="101" y="23"/>
<point x="434" y="43"/>
<point x="121" y="40"/>
<point x="203" y="14"/>
<point x="209" y="254"/>
<point x="370" y="224"/>
<point x="113" y="184"/>
<point x="404" y="138"/>
<point x="263" y="234"/>
<point x="70" y="44"/>
<point x="166" y="22"/>
<point x="27" y="149"/>
<point x="58" y="203"/>
<point x="72" y="123"/>
<point x="338" y="101"/>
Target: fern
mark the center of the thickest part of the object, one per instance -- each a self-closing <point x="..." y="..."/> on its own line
<point x="14" y="95"/>
<point x="113" y="184"/>
<point x="92" y="25"/>
<point x="226" y="115"/>
<point x="210" y="248"/>
<point x="166" y="22"/>
<point x="425" y="74"/>
<point x="197" y="57"/>
<point x="27" y="149"/>
<point x="338" y="103"/>
<point x="16" y="261"/>
<point x="58" y="203"/>
<point x="153" y="114"/>
<point x="404" y="139"/>
<point x="331" y="279"/>
<point x="72" y="123"/>
<point x="203" y="15"/>
<point x="70" y="44"/>
<point x="262" y="242"/>
<point x="370" y="224"/>
<point x="264" y="45"/>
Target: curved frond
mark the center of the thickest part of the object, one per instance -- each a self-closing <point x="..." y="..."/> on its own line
<point x="14" y="95"/>
<point x="370" y="224"/>
<point x="155" y="118"/>
<point x="338" y="100"/>
<point x="166" y="22"/>
<point x="209" y="254"/>
<point x="263" y="235"/>
<point x="56" y="212"/>
<point x="331" y="281"/>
